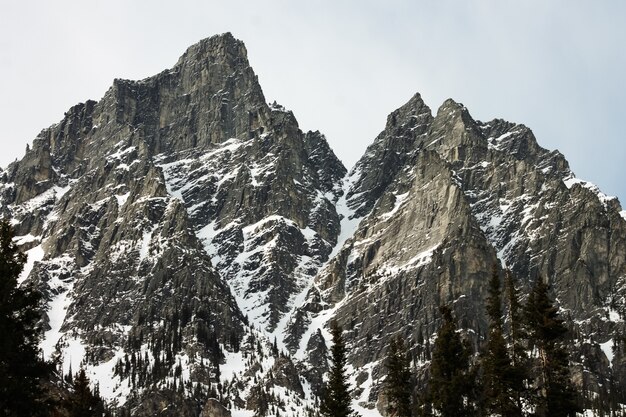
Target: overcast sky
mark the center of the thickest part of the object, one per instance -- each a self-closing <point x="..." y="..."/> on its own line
<point x="559" y="67"/>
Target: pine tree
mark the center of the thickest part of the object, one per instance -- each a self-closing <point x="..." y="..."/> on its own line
<point x="398" y="381"/>
<point x="336" y="400"/>
<point x="84" y="402"/>
<point x="452" y="383"/>
<point x="498" y="377"/>
<point x="557" y="397"/>
<point x="519" y="373"/>
<point x="20" y="364"/>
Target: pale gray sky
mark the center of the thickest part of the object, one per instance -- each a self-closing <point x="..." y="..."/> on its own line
<point x="557" y="66"/>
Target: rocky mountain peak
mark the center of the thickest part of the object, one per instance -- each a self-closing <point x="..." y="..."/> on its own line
<point x="405" y="130"/>
<point x="188" y="237"/>
<point x="412" y="114"/>
<point x="223" y="48"/>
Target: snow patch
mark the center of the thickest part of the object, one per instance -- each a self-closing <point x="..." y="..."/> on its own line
<point x="61" y="191"/>
<point x="32" y="255"/>
<point x="317" y="323"/>
<point x="241" y="413"/>
<point x="607" y="348"/>
<point x="57" y="310"/>
<point x="496" y="142"/>
<point x="349" y="223"/>
<point x="144" y="248"/>
<point x="614" y="315"/>
<point x="570" y="181"/>
<point x="72" y="355"/>
<point x="400" y="199"/>
<point x="421" y="259"/>
<point x="122" y="199"/>
<point x="111" y="388"/>
<point x="119" y="154"/>
<point x="358" y="403"/>
<point x="235" y="366"/>
<point x="21" y="240"/>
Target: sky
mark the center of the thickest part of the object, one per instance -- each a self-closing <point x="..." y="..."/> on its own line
<point x="342" y="66"/>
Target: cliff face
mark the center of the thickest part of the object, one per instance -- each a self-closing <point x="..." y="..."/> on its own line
<point x="190" y="239"/>
<point x="465" y="195"/>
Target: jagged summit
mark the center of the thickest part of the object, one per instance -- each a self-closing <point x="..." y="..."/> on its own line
<point x="404" y="132"/>
<point x="189" y="237"/>
<point x="130" y="206"/>
<point x="215" y="48"/>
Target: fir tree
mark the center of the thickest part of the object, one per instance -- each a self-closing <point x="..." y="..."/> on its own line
<point x="21" y="366"/>
<point x="398" y="381"/>
<point x="84" y="402"/>
<point x="452" y="382"/>
<point x="336" y="400"/>
<point x="520" y="375"/>
<point x="498" y="376"/>
<point x="557" y="397"/>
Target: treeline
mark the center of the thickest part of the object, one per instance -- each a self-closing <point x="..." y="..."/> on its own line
<point x="521" y="370"/>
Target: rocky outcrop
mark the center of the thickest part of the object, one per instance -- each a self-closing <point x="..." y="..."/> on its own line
<point x="391" y="151"/>
<point x="213" y="408"/>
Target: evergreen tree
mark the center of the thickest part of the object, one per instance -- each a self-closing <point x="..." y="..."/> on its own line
<point x="21" y="366"/>
<point x="520" y="374"/>
<point x="336" y="400"/>
<point x="452" y="382"/>
<point x="398" y="381"/>
<point x="498" y="375"/>
<point x="557" y="397"/>
<point x="84" y="402"/>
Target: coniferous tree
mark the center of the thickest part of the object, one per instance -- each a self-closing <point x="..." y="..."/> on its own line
<point x="336" y="401"/>
<point x="84" y="402"/>
<point x="21" y="366"/>
<point x="398" y="381"/>
<point x="557" y="397"/>
<point x="452" y="382"/>
<point x="498" y="376"/>
<point x="520" y="374"/>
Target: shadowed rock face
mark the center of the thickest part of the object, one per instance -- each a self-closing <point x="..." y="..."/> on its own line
<point x="183" y="219"/>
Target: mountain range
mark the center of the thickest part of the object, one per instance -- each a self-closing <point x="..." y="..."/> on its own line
<point x="192" y="243"/>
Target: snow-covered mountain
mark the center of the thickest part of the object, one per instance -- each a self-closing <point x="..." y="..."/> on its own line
<point x="193" y="243"/>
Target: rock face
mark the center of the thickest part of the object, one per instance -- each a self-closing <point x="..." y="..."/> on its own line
<point x="469" y="195"/>
<point x="193" y="243"/>
<point x="213" y="408"/>
<point x="130" y="206"/>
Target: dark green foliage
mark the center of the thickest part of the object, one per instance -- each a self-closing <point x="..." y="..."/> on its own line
<point x="398" y="382"/>
<point x="494" y="301"/>
<point x="20" y="364"/>
<point x="83" y="402"/>
<point x="336" y="400"/>
<point x="499" y="379"/>
<point x="520" y="366"/>
<point x="556" y="396"/>
<point x="516" y="328"/>
<point x="452" y="381"/>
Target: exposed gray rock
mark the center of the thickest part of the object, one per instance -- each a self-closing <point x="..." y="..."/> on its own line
<point x="181" y="224"/>
<point x="213" y="408"/>
<point x="284" y="374"/>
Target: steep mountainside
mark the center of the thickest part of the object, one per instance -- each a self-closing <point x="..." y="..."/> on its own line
<point x="130" y="206"/>
<point x="193" y="243"/>
<point x="465" y="194"/>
